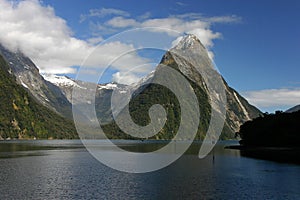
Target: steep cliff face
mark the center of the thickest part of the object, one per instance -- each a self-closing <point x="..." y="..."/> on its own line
<point x="190" y="58"/>
<point x="22" y="117"/>
<point x="27" y="75"/>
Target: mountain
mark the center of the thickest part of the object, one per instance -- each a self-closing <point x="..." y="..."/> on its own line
<point x="238" y="110"/>
<point x="293" y="109"/>
<point x="52" y="91"/>
<point x="55" y="92"/>
<point x="103" y="94"/>
<point x="22" y="116"/>
<point x="27" y="75"/>
<point x="66" y="85"/>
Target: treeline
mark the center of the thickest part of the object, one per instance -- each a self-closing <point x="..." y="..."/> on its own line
<point x="276" y="130"/>
<point x="157" y="94"/>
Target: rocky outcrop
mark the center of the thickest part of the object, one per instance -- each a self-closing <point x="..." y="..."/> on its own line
<point x="27" y="75"/>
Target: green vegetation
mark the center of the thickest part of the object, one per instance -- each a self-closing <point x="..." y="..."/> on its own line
<point x="272" y="130"/>
<point x="140" y="105"/>
<point x="23" y="118"/>
<point x="156" y="94"/>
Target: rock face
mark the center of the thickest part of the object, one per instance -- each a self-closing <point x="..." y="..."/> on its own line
<point x="55" y="92"/>
<point x="27" y="75"/>
<point x="22" y="117"/>
<point x="188" y="57"/>
<point x="52" y="91"/>
<point x="103" y="94"/>
<point x="196" y="59"/>
<point x="238" y="110"/>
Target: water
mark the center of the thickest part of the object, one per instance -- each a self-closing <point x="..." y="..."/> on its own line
<point x="65" y="170"/>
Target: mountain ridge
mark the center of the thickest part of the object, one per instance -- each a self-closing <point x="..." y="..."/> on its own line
<point x="27" y="74"/>
<point x="238" y="110"/>
<point x="55" y="92"/>
<point x="22" y="117"/>
<point x="293" y="109"/>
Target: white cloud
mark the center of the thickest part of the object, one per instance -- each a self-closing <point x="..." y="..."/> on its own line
<point x="102" y="12"/>
<point x="48" y="41"/>
<point x="108" y="11"/>
<point x="181" y="4"/>
<point x="95" y="40"/>
<point x="133" y="74"/>
<point x="225" y="19"/>
<point x="274" y="97"/>
<point x="46" y="38"/>
<point x="125" y="78"/>
<point x="120" y="22"/>
<point x="206" y="36"/>
<point x="144" y="16"/>
<point x="97" y="28"/>
<point x="192" y="23"/>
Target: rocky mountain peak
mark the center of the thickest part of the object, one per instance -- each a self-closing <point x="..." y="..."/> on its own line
<point x="190" y="49"/>
<point x="191" y="58"/>
<point x="189" y="42"/>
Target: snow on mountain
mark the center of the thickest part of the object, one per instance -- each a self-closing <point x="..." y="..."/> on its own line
<point x="27" y="75"/>
<point x="188" y="42"/>
<point x="193" y="61"/>
<point x="59" y="80"/>
<point x="64" y="81"/>
<point x="108" y="86"/>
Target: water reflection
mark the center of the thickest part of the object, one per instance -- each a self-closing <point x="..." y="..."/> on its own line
<point x="67" y="171"/>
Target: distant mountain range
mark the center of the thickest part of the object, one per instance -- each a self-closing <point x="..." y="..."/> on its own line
<point x="54" y="94"/>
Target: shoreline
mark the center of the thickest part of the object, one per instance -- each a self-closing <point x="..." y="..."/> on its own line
<point x="278" y="154"/>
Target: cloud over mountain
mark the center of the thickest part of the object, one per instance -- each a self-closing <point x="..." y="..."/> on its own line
<point x="274" y="97"/>
<point x="47" y="39"/>
<point x="36" y="30"/>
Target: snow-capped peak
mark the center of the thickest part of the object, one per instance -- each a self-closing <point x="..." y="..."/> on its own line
<point x="187" y="42"/>
<point x="108" y="86"/>
<point x="59" y="80"/>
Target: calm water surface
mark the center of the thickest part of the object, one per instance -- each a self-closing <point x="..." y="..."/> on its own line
<point x="62" y="169"/>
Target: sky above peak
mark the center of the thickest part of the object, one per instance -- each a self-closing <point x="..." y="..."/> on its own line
<point x="255" y="44"/>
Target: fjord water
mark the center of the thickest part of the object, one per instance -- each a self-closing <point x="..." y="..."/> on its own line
<point x="63" y="169"/>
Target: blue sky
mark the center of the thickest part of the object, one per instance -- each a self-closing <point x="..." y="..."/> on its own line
<point x="255" y="44"/>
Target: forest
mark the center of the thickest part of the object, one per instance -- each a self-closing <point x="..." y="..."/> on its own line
<point x="277" y="130"/>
